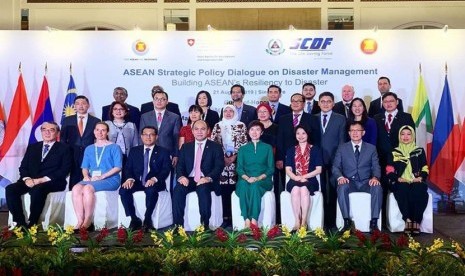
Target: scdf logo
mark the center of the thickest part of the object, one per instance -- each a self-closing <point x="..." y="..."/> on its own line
<point x="275" y="47"/>
<point x="311" y="44"/>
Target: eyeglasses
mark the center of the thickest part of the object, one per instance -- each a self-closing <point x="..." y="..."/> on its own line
<point x="159" y="99"/>
<point x="51" y="130"/>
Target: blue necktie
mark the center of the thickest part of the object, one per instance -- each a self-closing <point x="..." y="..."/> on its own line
<point x="146" y="165"/>
<point x="45" y="150"/>
<point x="309" y="107"/>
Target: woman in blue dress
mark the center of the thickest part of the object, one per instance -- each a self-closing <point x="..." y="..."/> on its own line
<point x="101" y="165"/>
<point x="358" y="113"/>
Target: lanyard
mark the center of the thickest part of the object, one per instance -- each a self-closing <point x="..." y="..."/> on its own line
<point x="98" y="159"/>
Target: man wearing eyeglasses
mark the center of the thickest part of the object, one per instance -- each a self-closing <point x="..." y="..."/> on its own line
<point x="167" y="124"/>
<point x="146" y="169"/>
<point x="172" y="107"/>
<point x="120" y="94"/>
<point x="43" y="170"/>
<point x="356" y="169"/>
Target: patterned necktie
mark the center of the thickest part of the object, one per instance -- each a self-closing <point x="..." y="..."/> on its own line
<point x="357" y="152"/>
<point x="309" y="107"/>
<point x="295" y="121"/>
<point x="198" y="162"/>
<point x="44" y="152"/>
<point x="325" y="120"/>
<point x="146" y="165"/>
<point x="81" y="125"/>
<point x="387" y="126"/>
<point x="159" y="119"/>
<point x="347" y="109"/>
<point x="273" y="112"/>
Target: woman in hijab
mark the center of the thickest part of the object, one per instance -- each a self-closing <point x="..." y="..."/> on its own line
<point x="231" y="134"/>
<point x="407" y="172"/>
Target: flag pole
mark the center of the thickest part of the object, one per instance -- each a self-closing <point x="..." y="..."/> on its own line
<point x="19" y="67"/>
<point x="46" y="68"/>
<point x="70" y="68"/>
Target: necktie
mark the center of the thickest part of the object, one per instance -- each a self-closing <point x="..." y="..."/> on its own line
<point x="81" y="125"/>
<point x="198" y="161"/>
<point x="146" y="165"/>
<point x="159" y="118"/>
<point x="295" y="121"/>
<point x="46" y="148"/>
<point x="273" y="110"/>
<point x="325" y="120"/>
<point x="357" y="152"/>
<point x="309" y="107"/>
<point x="347" y="110"/>
<point x="387" y="126"/>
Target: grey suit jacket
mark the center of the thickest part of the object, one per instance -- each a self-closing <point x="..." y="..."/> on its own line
<point x="333" y="136"/>
<point x="168" y="133"/>
<point x="346" y="165"/>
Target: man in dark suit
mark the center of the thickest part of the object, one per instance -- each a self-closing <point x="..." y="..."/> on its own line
<point x="376" y="106"/>
<point x="146" y="169"/>
<point x="309" y="91"/>
<point x="43" y="170"/>
<point x="286" y="139"/>
<point x="200" y="165"/>
<point x="328" y="132"/>
<point x="78" y="132"/>
<point x="167" y="123"/>
<point x="120" y="94"/>
<point x="246" y="113"/>
<point x="279" y="109"/>
<point x="147" y="107"/>
<point x="356" y="169"/>
<point x="342" y="107"/>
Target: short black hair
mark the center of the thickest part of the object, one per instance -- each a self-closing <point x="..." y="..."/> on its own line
<point x="385" y="78"/>
<point x="240" y="86"/>
<point x="387" y="94"/>
<point x="123" y="105"/>
<point x="159" y="92"/>
<point x="194" y="107"/>
<point x="309" y="84"/>
<point x="298" y="94"/>
<point x="306" y="129"/>
<point x="81" y="97"/>
<point x="274" y="86"/>
<point x="149" y="127"/>
<point x="326" y="94"/>
<point x="255" y="123"/>
<point x="57" y="127"/>
<point x="356" y="123"/>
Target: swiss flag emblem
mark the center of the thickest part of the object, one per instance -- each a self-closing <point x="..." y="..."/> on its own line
<point x="190" y="41"/>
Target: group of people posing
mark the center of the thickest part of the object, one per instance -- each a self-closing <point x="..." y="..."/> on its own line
<point x="244" y="149"/>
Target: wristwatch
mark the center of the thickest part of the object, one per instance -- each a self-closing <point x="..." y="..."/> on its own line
<point x="209" y="179"/>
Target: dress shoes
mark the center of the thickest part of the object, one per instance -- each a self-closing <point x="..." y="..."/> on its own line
<point x="135" y="224"/>
<point x="347" y="226"/>
<point x="374" y="225"/>
<point x="148" y="225"/>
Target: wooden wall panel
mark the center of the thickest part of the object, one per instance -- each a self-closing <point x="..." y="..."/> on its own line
<point x="258" y="19"/>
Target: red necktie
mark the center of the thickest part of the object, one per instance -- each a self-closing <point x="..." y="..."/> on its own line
<point x="198" y="162"/>
<point x="387" y="126"/>
<point x="159" y="118"/>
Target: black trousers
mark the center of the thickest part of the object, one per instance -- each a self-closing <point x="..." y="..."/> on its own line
<point x="151" y="199"/>
<point x="412" y="200"/>
<point x="179" y="201"/>
<point x="38" y="194"/>
<point x="226" y="192"/>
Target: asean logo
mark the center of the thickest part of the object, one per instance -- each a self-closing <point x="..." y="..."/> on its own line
<point x="275" y="47"/>
<point x="140" y="47"/>
<point x="369" y="46"/>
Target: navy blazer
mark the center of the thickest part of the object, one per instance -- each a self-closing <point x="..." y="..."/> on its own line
<point x="160" y="165"/>
<point x="212" y="160"/>
<point x="388" y="141"/>
<point x="286" y="137"/>
<point x="315" y="107"/>
<point x="56" y="165"/>
<point x="376" y="107"/>
<point x="282" y="110"/>
<point x="340" y="108"/>
<point x="172" y="107"/>
<point x="70" y="132"/>
<point x="134" y="114"/>
<point x="333" y="136"/>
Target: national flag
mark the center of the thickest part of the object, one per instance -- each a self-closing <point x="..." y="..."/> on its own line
<point x="68" y="106"/>
<point x="421" y="114"/>
<point x="2" y="124"/>
<point x="16" y="134"/>
<point x="43" y="112"/>
<point x="446" y="135"/>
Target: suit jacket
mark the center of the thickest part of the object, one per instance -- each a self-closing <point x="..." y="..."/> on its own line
<point x="168" y="133"/>
<point x="172" y="107"/>
<point x="333" y="136"/>
<point x="212" y="160"/>
<point x="286" y="137"/>
<point x="315" y="107"/>
<point x="388" y="141"/>
<point x="134" y="114"/>
<point x="346" y="165"/>
<point x="249" y="113"/>
<point x="282" y="110"/>
<point x="159" y="163"/>
<point x="376" y="107"/>
<point x="340" y="108"/>
<point x="56" y="165"/>
<point x="70" y="132"/>
<point x="212" y="118"/>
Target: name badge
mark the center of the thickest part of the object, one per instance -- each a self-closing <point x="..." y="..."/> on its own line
<point x="96" y="173"/>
